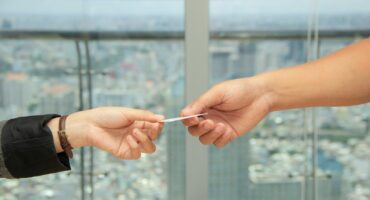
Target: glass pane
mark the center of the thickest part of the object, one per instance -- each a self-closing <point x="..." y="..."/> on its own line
<point x="253" y="15"/>
<point x="343" y="146"/>
<point x="92" y="15"/>
<point x="146" y="75"/>
<point x="34" y="79"/>
<point x="272" y="160"/>
<point x="269" y="162"/>
<point x="351" y="16"/>
<point x="141" y="75"/>
<point x="344" y="138"/>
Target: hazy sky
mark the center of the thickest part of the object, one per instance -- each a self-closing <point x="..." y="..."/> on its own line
<point x="176" y="7"/>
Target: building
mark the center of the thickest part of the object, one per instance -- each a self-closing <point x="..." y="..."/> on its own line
<point x="58" y="98"/>
<point x="285" y="188"/>
<point x="246" y="63"/>
<point x="17" y="91"/>
<point x="228" y="170"/>
<point x="222" y="59"/>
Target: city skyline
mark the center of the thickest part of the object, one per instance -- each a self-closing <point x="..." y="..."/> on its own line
<point x="273" y="160"/>
<point x="133" y="68"/>
<point x="175" y="7"/>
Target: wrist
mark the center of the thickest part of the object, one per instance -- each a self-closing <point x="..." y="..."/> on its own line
<point x="290" y="88"/>
<point x="53" y="126"/>
<point x="76" y="130"/>
<point x="267" y="91"/>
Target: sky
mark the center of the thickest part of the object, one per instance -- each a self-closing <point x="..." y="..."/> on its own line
<point x="176" y="7"/>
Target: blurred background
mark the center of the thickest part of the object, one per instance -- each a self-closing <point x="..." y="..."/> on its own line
<point x="61" y="56"/>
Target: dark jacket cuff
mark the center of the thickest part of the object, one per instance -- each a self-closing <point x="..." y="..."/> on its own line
<point x="28" y="147"/>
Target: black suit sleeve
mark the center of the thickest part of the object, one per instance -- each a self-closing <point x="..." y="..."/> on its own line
<point x="28" y="150"/>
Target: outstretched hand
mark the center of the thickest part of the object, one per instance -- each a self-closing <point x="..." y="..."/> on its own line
<point x="234" y="108"/>
<point x="123" y="132"/>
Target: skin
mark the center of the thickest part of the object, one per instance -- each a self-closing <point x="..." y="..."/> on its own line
<point x="237" y="106"/>
<point x="123" y="132"/>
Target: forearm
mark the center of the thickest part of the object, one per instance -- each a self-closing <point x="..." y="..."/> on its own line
<point x="340" y="79"/>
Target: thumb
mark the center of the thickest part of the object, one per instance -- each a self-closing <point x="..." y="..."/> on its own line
<point x="211" y="98"/>
<point x="141" y="115"/>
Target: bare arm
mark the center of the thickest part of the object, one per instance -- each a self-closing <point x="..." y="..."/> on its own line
<point x="340" y="79"/>
<point x="237" y="106"/>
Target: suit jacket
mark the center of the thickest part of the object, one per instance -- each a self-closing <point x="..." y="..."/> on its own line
<point x="27" y="148"/>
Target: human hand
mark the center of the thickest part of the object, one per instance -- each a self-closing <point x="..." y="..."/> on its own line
<point x="234" y="107"/>
<point x="123" y="132"/>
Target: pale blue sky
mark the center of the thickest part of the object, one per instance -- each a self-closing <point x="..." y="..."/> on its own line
<point x="175" y="7"/>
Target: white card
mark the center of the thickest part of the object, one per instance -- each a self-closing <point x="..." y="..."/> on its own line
<point x="182" y="118"/>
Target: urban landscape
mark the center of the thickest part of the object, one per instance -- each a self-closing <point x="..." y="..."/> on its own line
<point x="274" y="161"/>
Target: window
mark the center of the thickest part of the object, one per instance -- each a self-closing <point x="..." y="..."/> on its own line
<point x="51" y="75"/>
<point x="62" y="56"/>
<point x="275" y="160"/>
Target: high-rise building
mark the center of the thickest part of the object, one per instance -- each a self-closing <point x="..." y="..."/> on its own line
<point x="176" y="146"/>
<point x="297" y="52"/>
<point x="228" y="170"/>
<point x="115" y="97"/>
<point x="59" y="99"/>
<point x="221" y="62"/>
<point x="294" y="188"/>
<point x="245" y="65"/>
<point x="17" y="91"/>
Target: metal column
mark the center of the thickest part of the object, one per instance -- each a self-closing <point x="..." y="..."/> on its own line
<point x="196" y="61"/>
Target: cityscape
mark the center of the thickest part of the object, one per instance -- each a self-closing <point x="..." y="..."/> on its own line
<point x="271" y="162"/>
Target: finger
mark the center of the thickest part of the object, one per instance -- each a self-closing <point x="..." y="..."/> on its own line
<point x="191" y="121"/>
<point x="145" y="143"/>
<point x="148" y="125"/>
<point x="160" y="126"/>
<point x="141" y="115"/>
<point x="134" y="148"/>
<point x="223" y="140"/>
<point x="154" y="132"/>
<point x="203" y="127"/>
<point x="213" y="135"/>
<point x="151" y="129"/>
<point x="209" y="99"/>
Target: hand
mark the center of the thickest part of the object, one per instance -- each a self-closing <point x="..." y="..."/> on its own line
<point x="123" y="132"/>
<point x="234" y="108"/>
